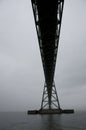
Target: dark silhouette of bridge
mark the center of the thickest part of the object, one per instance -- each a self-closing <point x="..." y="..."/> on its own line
<point x="48" y="17"/>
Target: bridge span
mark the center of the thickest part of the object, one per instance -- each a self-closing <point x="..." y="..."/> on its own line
<point x="48" y="17"/>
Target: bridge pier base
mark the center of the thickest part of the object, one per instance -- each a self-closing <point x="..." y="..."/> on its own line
<point x="50" y="108"/>
<point x="52" y="111"/>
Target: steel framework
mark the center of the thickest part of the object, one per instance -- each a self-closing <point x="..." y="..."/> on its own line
<point x="48" y="17"/>
<point x="54" y="99"/>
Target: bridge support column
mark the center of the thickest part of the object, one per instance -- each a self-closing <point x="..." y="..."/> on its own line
<point x="50" y="106"/>
<point x="53" y="103"/>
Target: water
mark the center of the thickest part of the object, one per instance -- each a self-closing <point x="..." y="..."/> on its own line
<point x="22" y="121"/>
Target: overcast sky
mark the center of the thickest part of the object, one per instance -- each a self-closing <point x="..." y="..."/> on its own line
<point x="21" y="72"/>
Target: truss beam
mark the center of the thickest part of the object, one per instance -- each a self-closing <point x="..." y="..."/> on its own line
<point x="48" y="17"/>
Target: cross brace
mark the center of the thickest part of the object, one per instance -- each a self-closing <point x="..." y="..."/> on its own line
<point x="54" y="99"/>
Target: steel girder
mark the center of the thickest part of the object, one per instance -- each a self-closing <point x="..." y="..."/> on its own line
<point x="48" y="17"/>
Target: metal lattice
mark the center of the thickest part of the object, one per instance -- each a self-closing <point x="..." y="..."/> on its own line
<point x="54" y="99"/>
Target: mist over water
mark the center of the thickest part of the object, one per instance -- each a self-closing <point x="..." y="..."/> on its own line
<point x="22" y="121"/>
<point x="21" y="72"/>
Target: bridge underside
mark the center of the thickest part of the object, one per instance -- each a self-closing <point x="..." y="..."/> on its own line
<point x="48" y="16"/>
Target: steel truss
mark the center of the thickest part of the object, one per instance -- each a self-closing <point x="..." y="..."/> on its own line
<point x="50" y="98"/>
<point x="54" y="99"/>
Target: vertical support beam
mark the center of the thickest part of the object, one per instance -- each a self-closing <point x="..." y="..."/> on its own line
<point x="54" y="102"/>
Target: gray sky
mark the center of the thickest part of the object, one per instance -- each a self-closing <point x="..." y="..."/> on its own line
<point x="21" y="72"/>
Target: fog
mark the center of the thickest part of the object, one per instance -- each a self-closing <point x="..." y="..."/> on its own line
<point x="21" y="71"/>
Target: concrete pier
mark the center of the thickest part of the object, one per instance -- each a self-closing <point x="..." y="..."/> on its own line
<point x="51" y="111"/>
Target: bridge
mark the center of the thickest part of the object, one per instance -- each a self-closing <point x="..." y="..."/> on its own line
<point x="48" y="17"/>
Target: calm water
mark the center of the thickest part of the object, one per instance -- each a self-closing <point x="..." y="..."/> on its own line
<point x="22" y="121"/>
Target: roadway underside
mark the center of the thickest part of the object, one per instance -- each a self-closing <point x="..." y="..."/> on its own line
<point x="48" y="16"/>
